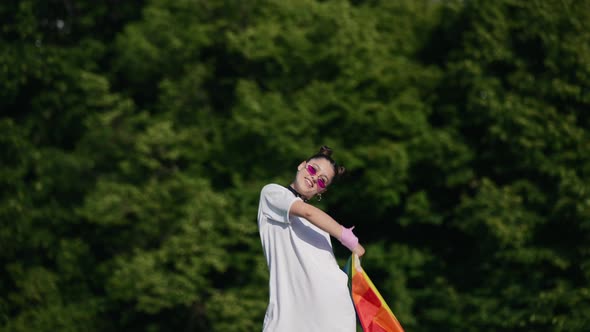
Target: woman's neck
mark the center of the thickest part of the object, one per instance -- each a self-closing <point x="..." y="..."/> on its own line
<point x="296" y="193"/>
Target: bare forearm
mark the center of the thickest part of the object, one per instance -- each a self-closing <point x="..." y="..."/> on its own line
<point x="317" y="217"/>
<point x="328" y="224"/>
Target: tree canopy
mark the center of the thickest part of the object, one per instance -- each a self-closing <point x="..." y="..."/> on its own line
<point x="136" y="137"/>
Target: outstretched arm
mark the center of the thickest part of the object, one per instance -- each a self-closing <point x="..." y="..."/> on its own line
<point x="323" y="221"/>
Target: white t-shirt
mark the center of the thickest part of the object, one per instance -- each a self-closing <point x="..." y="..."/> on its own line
<point x="308" y="290"/>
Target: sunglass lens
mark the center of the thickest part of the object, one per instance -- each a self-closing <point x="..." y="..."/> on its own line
<point x="321" y="183"/>
<point x="311" y="170"/>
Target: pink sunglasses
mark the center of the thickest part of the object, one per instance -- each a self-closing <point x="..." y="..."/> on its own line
<point x="313" y="171"/>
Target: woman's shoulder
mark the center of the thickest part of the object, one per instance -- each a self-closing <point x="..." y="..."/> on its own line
<point x="273" y="187"/>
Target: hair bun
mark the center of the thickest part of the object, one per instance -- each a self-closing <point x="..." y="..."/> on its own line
<point x="325" y="150"/>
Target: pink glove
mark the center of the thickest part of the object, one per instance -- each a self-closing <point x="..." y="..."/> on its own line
<point x="348" y="239"/>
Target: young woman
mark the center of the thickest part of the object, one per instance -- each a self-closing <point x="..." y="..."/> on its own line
<point x="308" y="290"/>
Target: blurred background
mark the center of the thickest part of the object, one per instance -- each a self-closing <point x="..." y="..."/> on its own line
<point x="136" y="136"/>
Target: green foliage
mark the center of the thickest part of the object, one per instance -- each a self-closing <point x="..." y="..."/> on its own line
<point x="137" y="136"/>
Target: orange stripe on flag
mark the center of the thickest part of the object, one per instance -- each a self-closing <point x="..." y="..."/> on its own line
<point x="373" y="312"/>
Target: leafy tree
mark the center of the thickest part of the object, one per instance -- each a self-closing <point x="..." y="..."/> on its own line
<point x="137" y="136"/>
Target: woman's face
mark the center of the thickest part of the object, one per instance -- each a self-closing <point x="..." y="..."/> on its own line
<point x="313" y="177"/>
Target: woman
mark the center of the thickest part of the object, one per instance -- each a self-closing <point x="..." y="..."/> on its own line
<point x="308" y="290"/>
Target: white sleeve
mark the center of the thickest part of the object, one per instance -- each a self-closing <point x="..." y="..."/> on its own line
<point x="277" y="201"/>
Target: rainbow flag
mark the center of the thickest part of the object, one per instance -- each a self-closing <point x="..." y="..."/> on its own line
<point x="372" y="311"/>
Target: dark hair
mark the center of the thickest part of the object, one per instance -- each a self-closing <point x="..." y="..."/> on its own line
<point x="326" y="153"/>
